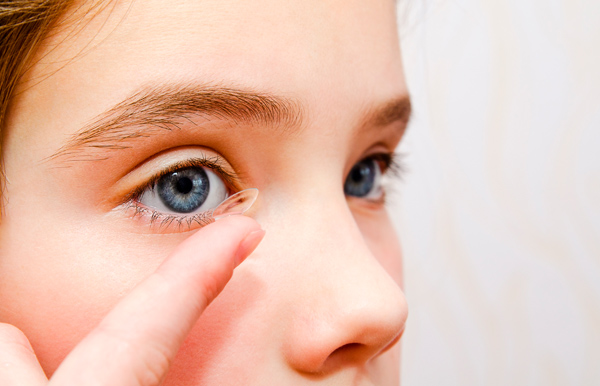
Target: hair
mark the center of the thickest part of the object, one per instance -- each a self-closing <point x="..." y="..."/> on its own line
<point x="23" y="25"/>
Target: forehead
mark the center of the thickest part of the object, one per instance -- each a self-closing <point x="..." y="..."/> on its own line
<point x="334" y="56"/>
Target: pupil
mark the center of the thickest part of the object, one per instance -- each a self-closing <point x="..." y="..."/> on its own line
<point x="184" y="185"/>
<point x="185" y="190"/>
<point x="359" y="173"/>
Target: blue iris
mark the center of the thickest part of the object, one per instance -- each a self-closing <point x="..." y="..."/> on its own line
<point x="184" y="190"/>
<point x="361" y="179"/>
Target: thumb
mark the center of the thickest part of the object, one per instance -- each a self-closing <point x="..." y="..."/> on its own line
<point x="136" y="342"/>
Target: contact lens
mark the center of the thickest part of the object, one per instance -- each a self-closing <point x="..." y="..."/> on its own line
<point x="235" y="204"/>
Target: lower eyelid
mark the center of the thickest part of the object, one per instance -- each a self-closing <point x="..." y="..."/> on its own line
<point x="165" y="222"/>
<point x="146" y="219"/>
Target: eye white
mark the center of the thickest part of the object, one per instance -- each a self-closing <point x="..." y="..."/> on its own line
<point x="150" y="198"/>
<point x="365" y="180"/>
<point x="377" y="191"/>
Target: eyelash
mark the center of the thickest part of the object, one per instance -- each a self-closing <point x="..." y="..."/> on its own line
<point x="167" y="219"/>
<point x="390" y="163"/>
<point x="392" y="168"/>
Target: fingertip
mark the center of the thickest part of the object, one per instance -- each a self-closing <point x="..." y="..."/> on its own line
<point x="248" y="245"/>
<point x="227" y="234"/>
<point x="237" y="222"/>
<point x="10" y="334"/>
<point x="18" y="363"/>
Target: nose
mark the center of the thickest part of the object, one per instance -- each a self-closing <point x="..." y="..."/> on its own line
<point x="348" y="308"/>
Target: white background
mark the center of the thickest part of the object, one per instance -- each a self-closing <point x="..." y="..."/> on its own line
<point x="499" y="209"/>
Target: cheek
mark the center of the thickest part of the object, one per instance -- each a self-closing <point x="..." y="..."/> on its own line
<point x="383" y="242"/>
<point x="231" y="338"/>
<point x="386" y="369"/>
<point x="61" y="279"/>
<point x="50" y="303"/>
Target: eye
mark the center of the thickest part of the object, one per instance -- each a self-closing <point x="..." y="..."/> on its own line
<point x="364" y="180"/>
<point x="185" y="190"/>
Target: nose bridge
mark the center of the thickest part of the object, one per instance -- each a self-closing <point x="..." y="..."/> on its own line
<point x="348" y="307"/>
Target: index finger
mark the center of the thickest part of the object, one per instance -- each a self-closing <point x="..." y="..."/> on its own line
<point x="135" y="343"/>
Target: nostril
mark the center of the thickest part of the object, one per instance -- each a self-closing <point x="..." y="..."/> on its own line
<point x="348" y="354"/>
<point x="347" y="347"/>
<point x="354" y="353"/>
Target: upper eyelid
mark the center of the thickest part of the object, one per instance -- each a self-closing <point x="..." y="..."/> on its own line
<point x="392" y="161"/>
<point x="214" y="163"/>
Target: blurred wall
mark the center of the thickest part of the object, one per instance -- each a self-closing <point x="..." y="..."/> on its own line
<point x="499" y="208"/>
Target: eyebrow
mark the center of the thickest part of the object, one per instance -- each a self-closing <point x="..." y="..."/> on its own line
<point x="398" y="109"/>
<point x="156" y="109"/>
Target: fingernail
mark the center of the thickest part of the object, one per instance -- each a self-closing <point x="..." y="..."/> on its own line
<point x="248" y="245"/>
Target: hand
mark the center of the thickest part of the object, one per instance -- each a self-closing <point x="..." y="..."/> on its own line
<point x="136" y="342"/>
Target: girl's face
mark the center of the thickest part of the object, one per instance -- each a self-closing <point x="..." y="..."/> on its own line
<point x="303" y="100"/>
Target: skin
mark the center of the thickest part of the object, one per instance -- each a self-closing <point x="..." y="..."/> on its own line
<point x="318" y="302"/>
